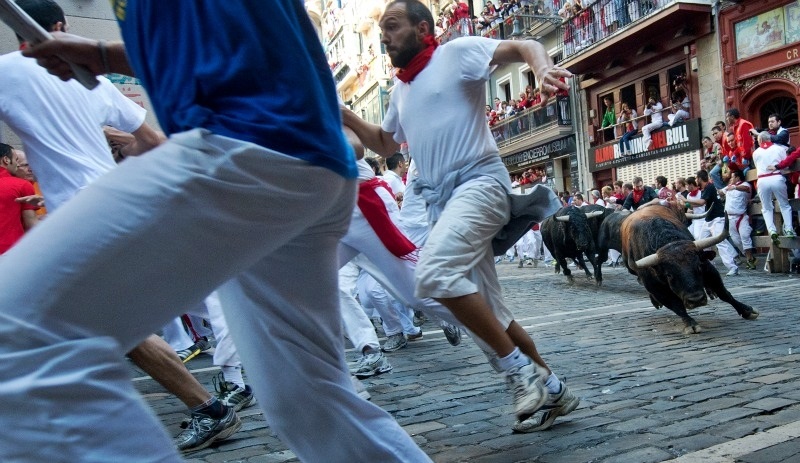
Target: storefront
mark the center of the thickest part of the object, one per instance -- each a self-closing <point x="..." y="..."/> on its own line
<point x="555" y="158"/>
<point x="675" y="153"/>
<point x="760" y="45"/>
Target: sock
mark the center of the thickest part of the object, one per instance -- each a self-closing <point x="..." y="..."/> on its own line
<point x="211" y="407"/>
<point x="553" y="384"/>
<point x="513" y="360"/>
<point x="233" y="374"/>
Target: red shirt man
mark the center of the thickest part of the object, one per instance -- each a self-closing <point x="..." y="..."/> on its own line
<point x="740" y="129"/>
<point x="15" y="218"/>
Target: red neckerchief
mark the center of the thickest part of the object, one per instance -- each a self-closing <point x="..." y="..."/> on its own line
<point x="374" y="210"/>
<point x="637" y="196"/>
<point x="766" y="144"/>
<point x="418" y="63"/>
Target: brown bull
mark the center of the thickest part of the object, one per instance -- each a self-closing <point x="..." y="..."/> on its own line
<point x="674" y="268"/>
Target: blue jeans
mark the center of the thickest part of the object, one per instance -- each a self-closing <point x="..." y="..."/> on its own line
<point x="626" y="139"/>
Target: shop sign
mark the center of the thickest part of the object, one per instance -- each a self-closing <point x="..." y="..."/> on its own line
<point x="667" y="141"/>
<point x="538" y="154"/>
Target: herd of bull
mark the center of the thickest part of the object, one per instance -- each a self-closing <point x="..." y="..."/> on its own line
<point x="656" y="247"/>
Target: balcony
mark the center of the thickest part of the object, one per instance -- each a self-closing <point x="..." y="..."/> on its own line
<point x="525" y="22"/>
<point x="613" y="33"/>
<point x="544" y="122"/>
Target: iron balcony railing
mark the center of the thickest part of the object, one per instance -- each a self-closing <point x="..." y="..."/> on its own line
<point x="601" y="20"/>
<point x="529" y="20"/>
<point x="531" y="121"/>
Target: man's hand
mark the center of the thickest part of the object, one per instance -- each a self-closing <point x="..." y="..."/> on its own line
<point x="33" y="200"/>
<point x="550" y="82"/>
<point x="52" y="54"/>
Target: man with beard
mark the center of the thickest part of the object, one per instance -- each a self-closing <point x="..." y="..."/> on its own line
<point x="466" y="187"/>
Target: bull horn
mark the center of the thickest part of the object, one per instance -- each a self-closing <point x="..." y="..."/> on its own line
<point x="703" y="215"/>
<point x="714" y="240"/>
<point x="589" y="215"/>
<point x="562" y="218"/>
<point x="647" y="261"/>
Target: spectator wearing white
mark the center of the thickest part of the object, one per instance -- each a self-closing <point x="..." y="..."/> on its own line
<point x="396" y="168"/>
<point x="737" y="198"/>
<point x="771" y="184"/>
<point x="653" y="109"/>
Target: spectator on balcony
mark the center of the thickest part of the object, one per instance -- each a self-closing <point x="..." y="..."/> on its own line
<point x="609" y="119"/>
<point x="633" y="10"/>
<point x="569" y="28"/>
<point x="652" y="109"/>
<point x="539" y="9"/>
<point x="627" y="117"/>
<point x="680" y="108"/>
<point x="741" y="130"/>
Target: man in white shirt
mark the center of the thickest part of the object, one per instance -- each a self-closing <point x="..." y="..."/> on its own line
<point x="771" y="184"/>
<point x="396" y="167"/>
<point x="466" y="186"/>
<point x="653" y="109"/>
<point x="737" y="198"/>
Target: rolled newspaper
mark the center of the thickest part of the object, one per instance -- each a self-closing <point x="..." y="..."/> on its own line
<point x="18" y="20"/>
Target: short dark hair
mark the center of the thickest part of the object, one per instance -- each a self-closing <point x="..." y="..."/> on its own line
<point x="46" y="13"/>
<point x="394" y="160"/>
<point x="661" y="181"/>
<point x="628" y="186"/>
<point x="6" y="151"/>
<point x="733" y="112"/>
<point x="738" y="173"/>
<point x="691" y="181"/>
<point x="777" y="117"/>
<point x="708" y="138"/>
<point x="702" y="175"/>
<point x="416" y="12"/>
<point x="720" y="125"/>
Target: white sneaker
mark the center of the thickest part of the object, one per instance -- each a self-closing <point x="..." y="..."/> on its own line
<point x="557" y="405"/>
<point x="733" y="272"/>
<point x="526" y="383"/>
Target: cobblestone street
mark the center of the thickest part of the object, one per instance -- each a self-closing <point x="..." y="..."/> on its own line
<point x="649" y="392"/>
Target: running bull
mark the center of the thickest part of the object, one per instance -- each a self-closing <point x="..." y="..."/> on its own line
<point x="674" y="268"/>
<point x="568" y="234"/>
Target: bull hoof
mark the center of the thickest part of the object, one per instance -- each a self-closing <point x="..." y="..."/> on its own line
<point x="598" y="282"/>
<point x="752" y="315"/>
<point x="570" y="280"/>
<point x="692" y="329"/>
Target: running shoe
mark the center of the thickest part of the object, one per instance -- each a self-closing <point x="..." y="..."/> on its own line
<point x="201" y="430"/>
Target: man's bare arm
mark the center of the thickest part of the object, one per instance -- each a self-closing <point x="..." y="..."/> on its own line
<point x="29" y="219"/>
<point x="79" y="50"/>
<point x="534" y="54"/>
<point x="372" y="136"/>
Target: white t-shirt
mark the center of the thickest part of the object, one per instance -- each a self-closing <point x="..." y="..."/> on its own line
<point x="655" y="113"/>
<point x="736" y="201"/>
<point x="394" y="181"/>
<point x="60" y="124"/>
<point x="456" y="134"/>
<point x="764" y="157"/>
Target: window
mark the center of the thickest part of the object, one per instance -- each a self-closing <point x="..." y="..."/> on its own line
<point x="506" y="91"/>
<point x="652" y="89"/>
<point x="628" y="95"/>
<point x="783" y="106"/>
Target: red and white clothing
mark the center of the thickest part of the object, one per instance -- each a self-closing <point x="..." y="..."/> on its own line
<point x="11" y="223"/>
<point x="736" y="202"/>
<point x="772" y="185"/>
<point x="696" y="227"/>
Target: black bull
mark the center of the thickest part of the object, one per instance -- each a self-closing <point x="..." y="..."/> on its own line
<point x="673" y="267"/>
<point x="570" y="233"/>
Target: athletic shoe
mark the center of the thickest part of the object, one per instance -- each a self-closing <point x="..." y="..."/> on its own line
<point x="233" y="395"/>
<point x="521" y="263"/>
<point x="526" y="384"/>
<point x="751" y="263"/>
<point x="201" y="430"/>
<point x="361" y="390"/>
<point x="733" y="272"/>
<point x="452" y="333"/>
<point x="557" y="405"/>
<point x="414" y="337"/>
<point x="200" y="346"/>
<point x="419" y="318"/>
<point x="789" y="233"/>
<point x="394" y="342"/>
<point x="774" y="236"/>
<point x="203" y="344"/>
<point x="498" y="259"/>
<point x="371" y="364"/>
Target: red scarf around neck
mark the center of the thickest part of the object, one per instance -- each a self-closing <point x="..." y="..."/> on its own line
<point x="637" y="195"/>
<point x="418" y="63"/>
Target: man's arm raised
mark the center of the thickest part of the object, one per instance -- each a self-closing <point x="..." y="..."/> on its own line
<point x="96" y="55"/>
<point x="534" y="54"/>
<point x="372" y="136"/>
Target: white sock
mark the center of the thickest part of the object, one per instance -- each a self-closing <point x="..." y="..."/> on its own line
<point x="553" y="384"/>
<point x="233" y="374"/>
<point x="513" y="360"/>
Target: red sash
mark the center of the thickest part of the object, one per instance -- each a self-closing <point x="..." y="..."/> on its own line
<point x="372" y="206"/>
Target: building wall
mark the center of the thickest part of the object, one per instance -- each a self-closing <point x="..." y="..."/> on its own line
<point x="708" y="77"/>
<point x="680" y="165"/>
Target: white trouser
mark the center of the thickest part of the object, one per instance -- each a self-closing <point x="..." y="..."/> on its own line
<point x="357" y="326"/>
<point x="726" y="252"/>
<point x="373" y="296"/>
<point x="696" y="227"/>
<point x="769" y="187"/>
<point x="536" y="240"/>
<point x="646" y="129"/>
<point x="741" y="231"/>
<point x="175" y="335"/>
<point x="150" y="238"/>
<point x="225" y="353"/>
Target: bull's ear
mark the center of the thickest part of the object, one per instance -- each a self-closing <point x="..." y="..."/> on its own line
<point x="708" y="255"/>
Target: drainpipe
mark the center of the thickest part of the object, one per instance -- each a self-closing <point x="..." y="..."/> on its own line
<point x="579" y="123"/>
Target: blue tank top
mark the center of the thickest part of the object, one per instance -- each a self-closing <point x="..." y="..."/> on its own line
<point x="253" y="70"/>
